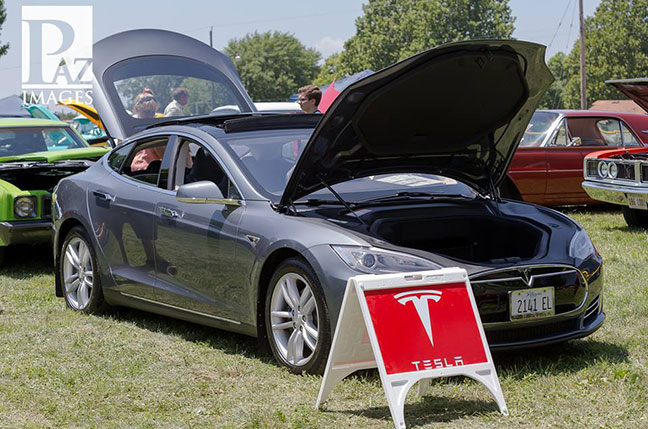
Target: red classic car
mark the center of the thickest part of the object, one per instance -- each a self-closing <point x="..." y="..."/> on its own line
<point x="547" y="168"/>
<point x="621" y="176"/>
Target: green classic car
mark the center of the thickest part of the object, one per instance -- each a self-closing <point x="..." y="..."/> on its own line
<point x="34" y="155"/>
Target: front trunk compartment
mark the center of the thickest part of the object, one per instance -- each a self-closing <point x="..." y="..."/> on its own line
<point x="475" y="238"/>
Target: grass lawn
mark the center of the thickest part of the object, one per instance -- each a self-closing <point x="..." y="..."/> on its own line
<point x="131" y="369"/>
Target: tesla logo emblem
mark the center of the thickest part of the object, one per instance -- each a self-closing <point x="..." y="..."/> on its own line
<point x="420" y="300"/>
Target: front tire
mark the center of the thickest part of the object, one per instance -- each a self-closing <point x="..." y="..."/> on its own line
<point x="296" y="318"/>
<point x="78" y="273"/>
<point x="635" y="217"/>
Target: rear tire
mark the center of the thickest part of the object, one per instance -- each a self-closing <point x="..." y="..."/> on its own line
<point x="297" y="318"/>
<point x="635" y="217"/>
<point x="79" y="274"/>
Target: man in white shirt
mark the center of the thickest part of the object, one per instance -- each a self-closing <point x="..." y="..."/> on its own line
<point x="180" y="100"/>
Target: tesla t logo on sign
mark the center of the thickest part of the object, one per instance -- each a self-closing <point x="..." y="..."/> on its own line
<point x="415" y="327"/>
<point x="419" y="298"/>
<point x="420" y="326"/>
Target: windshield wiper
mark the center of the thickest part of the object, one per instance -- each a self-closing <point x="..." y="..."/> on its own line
<point x="408" y="195"/>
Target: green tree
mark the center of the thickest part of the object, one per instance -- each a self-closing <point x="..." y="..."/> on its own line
<point x="553" y="98"/>
<point x="3" y="16"/>
<point x="392" y="30"/>
<point x="616" y="47"/>
<point x="328" y="71"/>
<point x="273" y="65"/>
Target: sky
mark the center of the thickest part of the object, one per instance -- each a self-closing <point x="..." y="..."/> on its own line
<point x="321" y="25"/>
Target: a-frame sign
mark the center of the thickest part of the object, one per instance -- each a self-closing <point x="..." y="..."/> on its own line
<point x="412" y="327"/>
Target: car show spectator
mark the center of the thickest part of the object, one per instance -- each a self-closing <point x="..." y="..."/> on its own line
<point x="145" y="104"/>
<point x="309" y="98"/>
<point x="180" y="100"/>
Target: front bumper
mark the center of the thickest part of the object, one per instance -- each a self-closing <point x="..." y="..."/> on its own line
<point x="549" y="332"/>
<point x="25" y="232"/>
<point x="583" y="318"/>
<point x="613" y="193"/>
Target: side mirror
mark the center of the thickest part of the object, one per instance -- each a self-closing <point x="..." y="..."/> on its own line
<point x="576" y="141"/>
<point x="203" y="192"/>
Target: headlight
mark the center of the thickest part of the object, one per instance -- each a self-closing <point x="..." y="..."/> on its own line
<point x="25" y="206"/>
<point x="603" y="169"/>
<point x="581" y="246"/>
<point x="612" y="170"/>
<point x="371" y="260"/>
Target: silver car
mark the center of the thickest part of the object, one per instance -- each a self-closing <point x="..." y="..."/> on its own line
<point x="254" y="223"/>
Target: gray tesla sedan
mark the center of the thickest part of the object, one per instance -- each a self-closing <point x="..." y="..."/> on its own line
<point x="254" y="223"/>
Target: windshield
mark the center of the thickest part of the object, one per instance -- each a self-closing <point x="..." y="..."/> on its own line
<point x="20" y="141"/>
<point x="268" y="157"/>
<point x="538" y="128"/>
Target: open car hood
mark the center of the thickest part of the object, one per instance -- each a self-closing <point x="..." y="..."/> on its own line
<point x="635" y="89"/>
<point x="458" y="110"/>
<point x="85" y="110"/>
<point x="127" y="63"/>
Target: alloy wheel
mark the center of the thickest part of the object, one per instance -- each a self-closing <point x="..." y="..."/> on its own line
<point x="78" y="278"/>
<point x="294" y="319"/>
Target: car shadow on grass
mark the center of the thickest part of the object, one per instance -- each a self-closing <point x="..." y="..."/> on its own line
<point x="624" y="228"/>
<point x="556" y="359"/>
<point x="594" y="208"/>
<point x="27" y="261"/>
<point x="228" y="342"/>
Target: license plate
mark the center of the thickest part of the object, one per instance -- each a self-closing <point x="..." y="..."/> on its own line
<point x="531" y="303"/>
<point x="635" y="202"/>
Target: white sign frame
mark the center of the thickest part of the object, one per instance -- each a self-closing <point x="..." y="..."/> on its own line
<point x="355" y="344"/>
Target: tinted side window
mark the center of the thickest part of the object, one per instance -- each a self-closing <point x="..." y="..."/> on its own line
<point x="610" y="131"/>
<point x="145" y="161"/>
<point x="629" y="139"/>
<point x="194" y="163"/>
<point x="117" y="157"/>
<point x="587" y="129"/>
<point x="561" y="135"/>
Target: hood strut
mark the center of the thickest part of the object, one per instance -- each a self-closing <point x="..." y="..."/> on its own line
<point x="344" y="203"/>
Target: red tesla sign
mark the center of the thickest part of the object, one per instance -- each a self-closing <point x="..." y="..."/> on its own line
<point x="425" y="327"/>
<point x="412" y="327"/>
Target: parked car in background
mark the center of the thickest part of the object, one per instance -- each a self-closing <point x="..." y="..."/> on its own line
<point x="547" y="168"/>
<point x="34" y="155"/>
<point x="88" y="130"/>
<point x="254" y="223"/>
<point x="621" y="176"/>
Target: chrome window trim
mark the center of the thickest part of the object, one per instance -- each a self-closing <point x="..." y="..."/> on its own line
<point x="552" y="131"/>
<point x="213" y="153"/>
<point x="170" y="134"/>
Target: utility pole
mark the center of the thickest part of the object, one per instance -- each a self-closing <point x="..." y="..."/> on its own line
<point x="211" y="36"/>
<point x="583" y="95"/>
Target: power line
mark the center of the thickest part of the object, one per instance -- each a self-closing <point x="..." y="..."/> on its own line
<point x="560" y="23"/>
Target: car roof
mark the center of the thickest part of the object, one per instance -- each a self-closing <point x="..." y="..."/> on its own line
<point x="30" y="122"/>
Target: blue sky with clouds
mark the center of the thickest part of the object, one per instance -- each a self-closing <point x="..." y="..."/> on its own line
<point x="322" y="25"/>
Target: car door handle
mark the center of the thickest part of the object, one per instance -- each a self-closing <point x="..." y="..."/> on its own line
<point x="103" y="196"/>
<point x="167" y="212"/>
